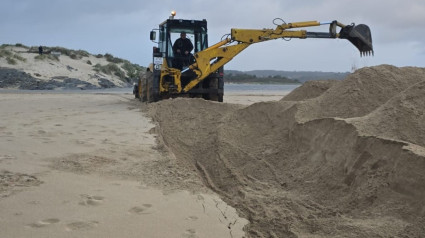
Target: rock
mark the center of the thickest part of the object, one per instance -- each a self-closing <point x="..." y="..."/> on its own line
<point x="105" y="83"/>
<point x="12" y="78"/>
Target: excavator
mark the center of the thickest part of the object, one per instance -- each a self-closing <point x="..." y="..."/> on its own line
<point x="201" y="74"/>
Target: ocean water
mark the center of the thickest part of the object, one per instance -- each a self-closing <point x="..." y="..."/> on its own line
<point x="259" y="89"/>
<point x="233" y="89"/>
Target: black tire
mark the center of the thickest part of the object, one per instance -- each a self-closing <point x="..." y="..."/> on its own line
<point x="136" y="91"/>
<point x="140" y="89"/>
<point x="150" y="95"/>
<point x="213" y="84"/>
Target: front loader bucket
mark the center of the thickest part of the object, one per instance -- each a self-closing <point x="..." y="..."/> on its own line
<point x="360" y="36"/>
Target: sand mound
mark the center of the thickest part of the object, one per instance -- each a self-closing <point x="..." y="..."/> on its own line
<point x="310" y="89"/>
<point x="361" y="92"/>
<point x="401" y="118"/>
<point x="345" y="159"/>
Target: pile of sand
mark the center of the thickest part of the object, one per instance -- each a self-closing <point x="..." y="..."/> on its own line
<point x="331" y="159"/>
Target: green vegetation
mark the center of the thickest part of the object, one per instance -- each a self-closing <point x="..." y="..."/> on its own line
<point x="110" y="69"/>
<point x="112" y="59"/>
<point x="21" y="45"/>
<point x="133" y="70"/>
<point x="122" y="68"/>
<point x="4" y="46"/>
<point x="247" y="78"/>
<point x="126" y="72"/>
<point x="11" y="60"/>
<point x="20" y="58"/>
<point x="301" y="76"/>
<point x="73" y="54"/>
<point x="10" y="56"/>
<point x="5" y="53"/>
<point x="44" y="57"/>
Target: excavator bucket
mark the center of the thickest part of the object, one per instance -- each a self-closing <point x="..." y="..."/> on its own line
<point x="359" y="36"/>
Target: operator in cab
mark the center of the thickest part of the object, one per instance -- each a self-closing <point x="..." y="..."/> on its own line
<point x="182" y="48"/>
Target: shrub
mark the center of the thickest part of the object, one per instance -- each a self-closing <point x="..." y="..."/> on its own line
<point x="133" y="70"/>
<point x="44" y="56"/>
<point x="62" y="50"/>
<point x="110" y="69"/>
<point x="74" y="56"/>
<point x="40" y="57"/>
<point x="21" y="45"/>
<point x="83" y="53"/>
<point x="11" y="60"/>
<point x="99" y="56"/>
<point x="108" y="57"/>
<point x="89" y="62"/>
<point x="4" y="46"/>
<point x="5" y="53"/>
<point x="18" y="57"/>
<point x="112" y="59"/>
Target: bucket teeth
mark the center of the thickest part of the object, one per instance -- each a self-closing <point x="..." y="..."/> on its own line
<point x="367" y="53"/>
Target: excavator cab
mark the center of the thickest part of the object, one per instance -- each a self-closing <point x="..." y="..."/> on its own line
<point x="167" y="63"/>
<point x="170" y="30"/>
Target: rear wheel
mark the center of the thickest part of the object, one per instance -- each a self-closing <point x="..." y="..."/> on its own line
<point x="213" y="84"/>
<point x="136" y="90"/>
<point x="141" y="88"/>
<point x="220" y="97"/>
<point x="150" y="96"/>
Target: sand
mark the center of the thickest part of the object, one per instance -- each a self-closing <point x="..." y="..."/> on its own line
<point x="330" y="159"/>
<point x="88" y="165"/>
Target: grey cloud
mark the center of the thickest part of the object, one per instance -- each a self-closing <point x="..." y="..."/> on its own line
<point x="122" y="28"/>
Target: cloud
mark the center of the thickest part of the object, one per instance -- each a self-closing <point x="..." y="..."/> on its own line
<point x="122" y="28"/>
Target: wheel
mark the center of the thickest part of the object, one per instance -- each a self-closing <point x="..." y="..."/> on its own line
<point x="213" y="84"/>
<point x="220" y="97"/>
<point x="140" y="89"/>
<point x="136" y="90"/>
<point x="150" y="96"/>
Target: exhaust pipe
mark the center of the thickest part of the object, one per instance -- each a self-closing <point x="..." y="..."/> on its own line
<point x="359" y="36"/>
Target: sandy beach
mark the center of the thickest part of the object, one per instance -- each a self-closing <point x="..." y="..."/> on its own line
<point x="342" y="158"/>
<point x="89" y="165"/>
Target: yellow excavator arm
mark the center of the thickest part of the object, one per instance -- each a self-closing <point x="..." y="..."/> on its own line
<point x="214" y="57"/>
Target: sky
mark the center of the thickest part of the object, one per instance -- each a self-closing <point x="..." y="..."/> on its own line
<point x="122" y="28"/>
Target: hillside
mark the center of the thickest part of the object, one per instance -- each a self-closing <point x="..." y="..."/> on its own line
<point x="22" y="67"/>
<point x="301" y="76"/>
<point x="249" y="78"/>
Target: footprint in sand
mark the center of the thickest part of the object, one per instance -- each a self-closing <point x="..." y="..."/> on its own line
<point x="140" y="210"/>
<point x="190" y="233"/>
<point x="44" y="223"/>
<point x="192" y="218"/>
<point x="89" y="200"/>
<point x="81" y="225"/>
<point x="7" y="158"/>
